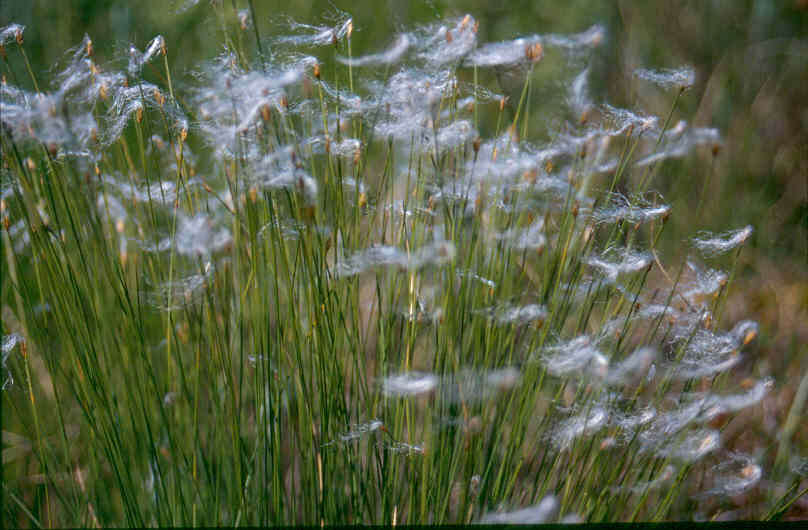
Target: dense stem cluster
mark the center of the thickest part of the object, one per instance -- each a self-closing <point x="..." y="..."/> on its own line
<point x="316" y="288"/>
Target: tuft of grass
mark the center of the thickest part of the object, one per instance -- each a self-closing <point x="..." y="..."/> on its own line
<point x="304" y="287"/>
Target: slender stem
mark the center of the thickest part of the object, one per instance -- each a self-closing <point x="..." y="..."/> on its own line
<point x="257" y="36"/>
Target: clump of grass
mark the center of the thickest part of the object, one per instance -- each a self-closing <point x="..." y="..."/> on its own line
<point x="305" y="287"/>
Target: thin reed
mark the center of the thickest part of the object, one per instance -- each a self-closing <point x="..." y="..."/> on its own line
<point x="292" y="285"/>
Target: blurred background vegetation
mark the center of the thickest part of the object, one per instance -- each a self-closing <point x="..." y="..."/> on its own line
<point x="751" y="64"/>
